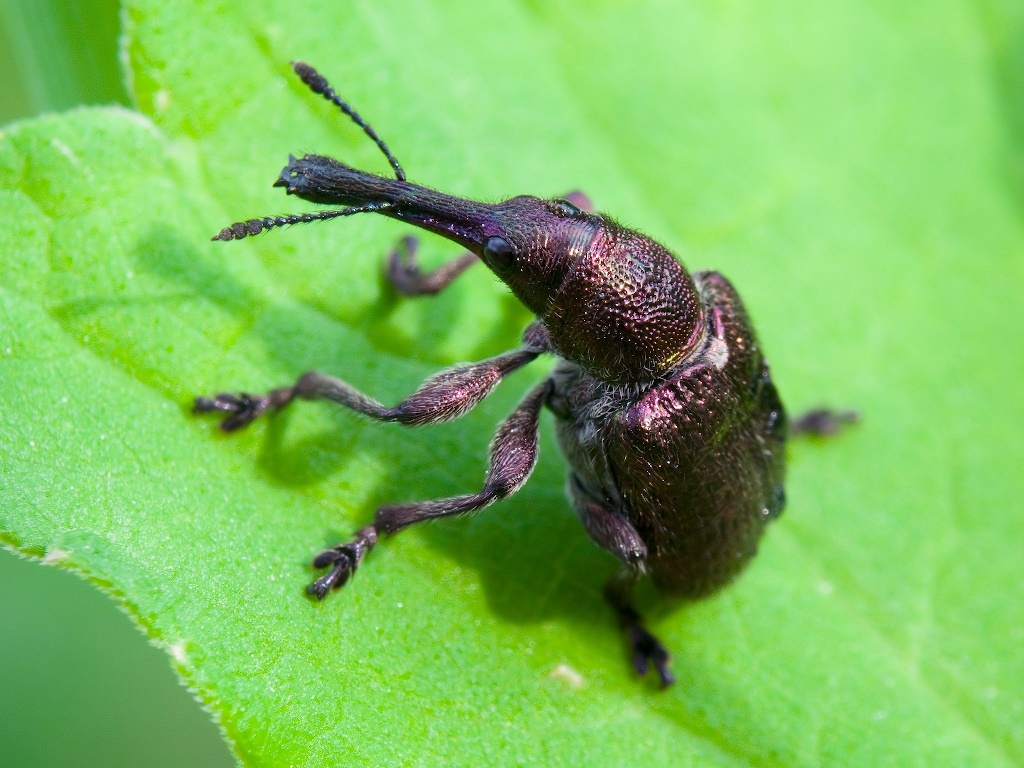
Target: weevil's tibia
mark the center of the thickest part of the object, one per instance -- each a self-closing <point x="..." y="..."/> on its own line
<point x="513" y="456"/>
<point x="645" y="649"/>
<point x="343" y="559"/>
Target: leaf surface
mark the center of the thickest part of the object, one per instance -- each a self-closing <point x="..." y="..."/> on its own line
<point x="854" y="169"/>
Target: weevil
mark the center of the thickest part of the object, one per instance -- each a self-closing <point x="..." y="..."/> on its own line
<point x="666" y="412"/>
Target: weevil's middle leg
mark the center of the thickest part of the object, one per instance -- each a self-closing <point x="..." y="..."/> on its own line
<point x="580" y="200"/>
<point x="609" y="529"/>
<point x="404" y="272"/>
<point x="512" y="458"/>
<point x="645" y="648"/>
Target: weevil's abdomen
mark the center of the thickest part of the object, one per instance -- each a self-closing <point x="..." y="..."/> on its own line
<point x="695" y="461"/>
<point x="710" y="487"/>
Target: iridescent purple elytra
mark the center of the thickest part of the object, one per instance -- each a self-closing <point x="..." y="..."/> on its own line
<point x="666" y="410"/>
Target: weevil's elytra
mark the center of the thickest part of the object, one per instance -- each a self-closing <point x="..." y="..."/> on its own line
<point x="665" y="408"/>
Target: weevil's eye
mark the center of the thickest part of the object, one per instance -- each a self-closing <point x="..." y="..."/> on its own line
<point x="564" y="208"/>
<point x="499" y="254"/>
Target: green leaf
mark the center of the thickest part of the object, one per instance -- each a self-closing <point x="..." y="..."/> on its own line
<point x="52" y="64"/>
<point x="854" y="168"/>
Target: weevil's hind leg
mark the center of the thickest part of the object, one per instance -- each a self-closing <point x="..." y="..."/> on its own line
<point x="443" y="397"/>
<point x="644" y="648"/>
<point x="409" y="279"/>
<point x="822" y="422"/>
<point x="512" y="458"/>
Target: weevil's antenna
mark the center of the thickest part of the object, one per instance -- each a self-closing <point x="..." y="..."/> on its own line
<point x="318" y="84"/>
<point x="250" y="227"/>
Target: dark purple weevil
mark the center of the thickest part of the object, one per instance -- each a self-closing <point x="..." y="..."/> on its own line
<point x="666" y="410"/>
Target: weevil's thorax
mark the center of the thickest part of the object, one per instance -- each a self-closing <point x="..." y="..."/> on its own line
<point x="626" y="311"/>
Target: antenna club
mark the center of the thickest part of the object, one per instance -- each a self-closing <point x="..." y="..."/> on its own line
<point x="318" y="84"/>
<point x="313" y="79"/>
<point x="243" y="229"/>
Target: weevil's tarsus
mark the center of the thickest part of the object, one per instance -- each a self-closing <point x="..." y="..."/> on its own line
<point x="647" y="649"/>
<point x="644" y="648"/>
<point x="408" y="278"/>
<point x="250" y="227"/>
<point x="318" y="84"/>
<point x="243" y="408"/>
<point x="822" y="422"/>
<point x="343" y="560"/>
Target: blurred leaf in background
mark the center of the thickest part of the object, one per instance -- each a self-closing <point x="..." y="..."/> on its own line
<point x="852" y="167"/>
<point x="57" y="55"/>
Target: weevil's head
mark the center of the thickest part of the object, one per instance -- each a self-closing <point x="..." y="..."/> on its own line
<point x="614" y="301"/>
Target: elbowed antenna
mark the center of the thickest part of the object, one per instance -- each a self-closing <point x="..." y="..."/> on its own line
<point x="250" y="227"/>
<point x="318" y="84"/>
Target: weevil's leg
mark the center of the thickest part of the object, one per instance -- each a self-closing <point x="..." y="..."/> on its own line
<point x="513" y="455"/>
<point x="822" y="422"/>
<point x="443" y="397"/>
<point x="409" y="279"/>
<point x="645" y="649"/>
<point x="613" y="532"/>
<point x="580" y="200"/>
<point x="609" y="529"/>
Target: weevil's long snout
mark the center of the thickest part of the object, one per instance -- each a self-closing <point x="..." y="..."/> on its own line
<point x="324" y="180"/>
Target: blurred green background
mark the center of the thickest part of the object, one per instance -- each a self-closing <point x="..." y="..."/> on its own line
<point x="81" y="687"/>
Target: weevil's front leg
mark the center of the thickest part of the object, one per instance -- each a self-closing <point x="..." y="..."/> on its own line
<point x="408" y="278"/>
<point x="822" y="422"/>
<point x="443" y="397"/>
<point x="512" y="458"/>
<point x="645" y="649"/>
